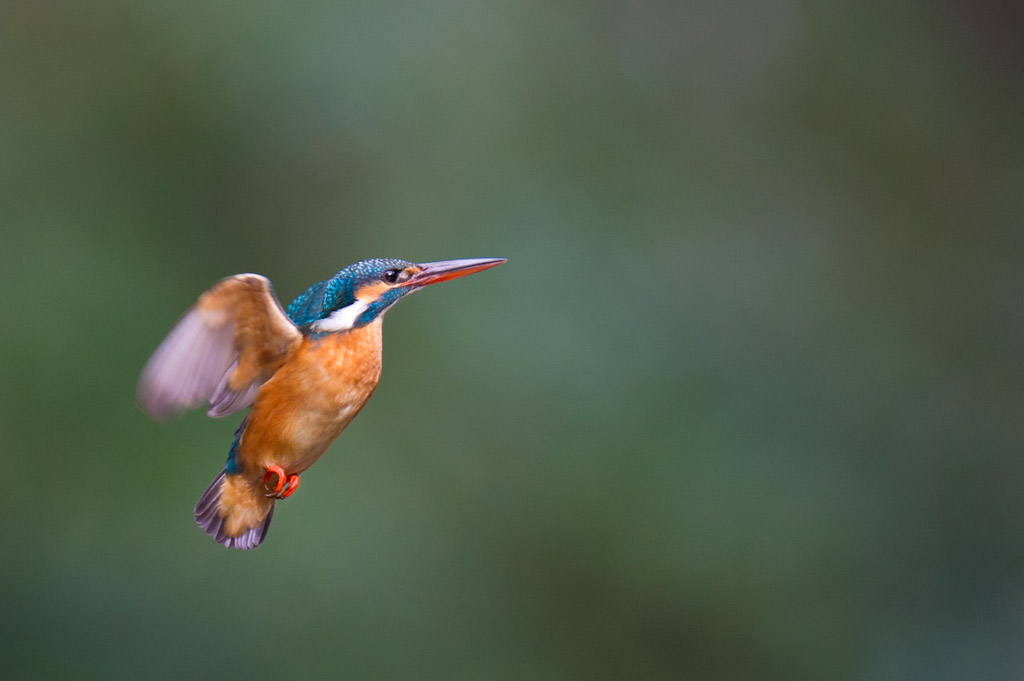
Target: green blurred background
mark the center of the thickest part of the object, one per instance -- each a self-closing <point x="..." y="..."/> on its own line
<point x="745" y="402"/>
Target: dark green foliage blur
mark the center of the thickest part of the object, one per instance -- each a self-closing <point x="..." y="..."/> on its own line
<point x="745" y="403"/>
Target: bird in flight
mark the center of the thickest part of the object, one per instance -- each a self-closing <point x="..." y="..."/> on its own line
<point x="306" y="371"/>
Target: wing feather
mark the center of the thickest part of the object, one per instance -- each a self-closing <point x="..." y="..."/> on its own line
<point x="221" y="351"/>
<point x="226" y="401"/>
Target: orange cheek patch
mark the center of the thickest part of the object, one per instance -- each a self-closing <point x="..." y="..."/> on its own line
<point x="372" y="292"/>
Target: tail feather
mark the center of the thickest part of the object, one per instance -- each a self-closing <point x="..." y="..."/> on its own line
<point x="208" y="517"/>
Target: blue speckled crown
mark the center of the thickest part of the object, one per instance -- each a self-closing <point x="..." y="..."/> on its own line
<point x="324" y="297"/>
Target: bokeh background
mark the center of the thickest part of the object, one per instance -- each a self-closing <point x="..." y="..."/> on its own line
<point x="745" y="402"/>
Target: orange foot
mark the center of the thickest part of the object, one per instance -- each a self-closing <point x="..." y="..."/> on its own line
<point x="285" y="485"/>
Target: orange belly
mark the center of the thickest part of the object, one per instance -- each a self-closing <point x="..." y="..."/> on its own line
<point x="312" y="398"/>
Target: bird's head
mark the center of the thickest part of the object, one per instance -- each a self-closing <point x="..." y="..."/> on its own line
<point x="363" y="291"/>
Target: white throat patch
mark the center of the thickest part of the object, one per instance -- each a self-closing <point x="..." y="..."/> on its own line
<point x="342" y="319"/>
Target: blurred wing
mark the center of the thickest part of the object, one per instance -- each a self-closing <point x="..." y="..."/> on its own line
<point x="221" y="351"/>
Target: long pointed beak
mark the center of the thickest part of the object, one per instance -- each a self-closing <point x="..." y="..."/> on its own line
<point x="445" y="270"/>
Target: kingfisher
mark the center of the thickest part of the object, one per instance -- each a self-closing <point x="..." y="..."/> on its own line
<point x="306" y="371"/>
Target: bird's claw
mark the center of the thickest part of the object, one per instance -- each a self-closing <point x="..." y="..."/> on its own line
<point x="284" y="486"/>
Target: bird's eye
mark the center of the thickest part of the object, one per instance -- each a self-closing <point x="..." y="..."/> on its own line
<point x="390" y="276"/>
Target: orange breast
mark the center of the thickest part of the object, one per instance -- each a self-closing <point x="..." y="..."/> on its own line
<point x="308" y="402"/>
